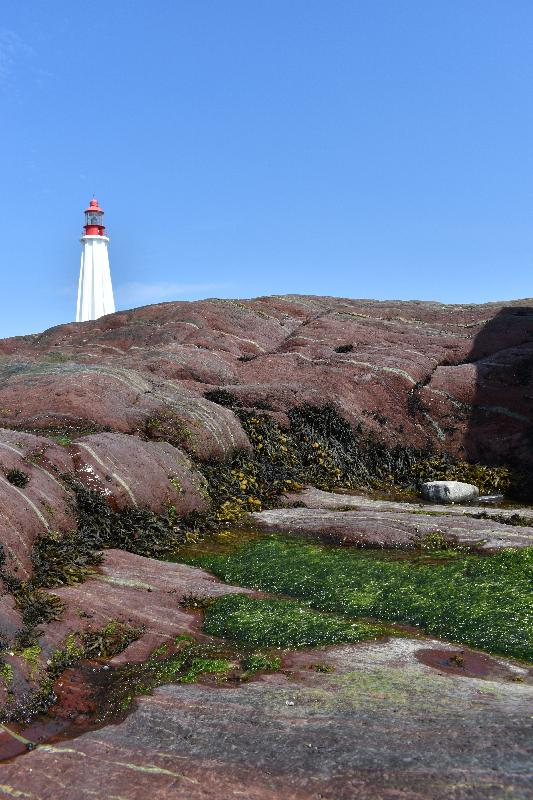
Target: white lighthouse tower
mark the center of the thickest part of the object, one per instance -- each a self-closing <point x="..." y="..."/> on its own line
<point x="95" y="292"/>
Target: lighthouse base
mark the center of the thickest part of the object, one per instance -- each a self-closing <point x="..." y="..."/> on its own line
<point x="95" y="292"/>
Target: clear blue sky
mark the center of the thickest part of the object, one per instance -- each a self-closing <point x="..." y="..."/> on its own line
<point x="365" y="148"/>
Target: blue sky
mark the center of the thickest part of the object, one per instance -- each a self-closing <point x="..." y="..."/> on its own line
<point x="363" y="148"/>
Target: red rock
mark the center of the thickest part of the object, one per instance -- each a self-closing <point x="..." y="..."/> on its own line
<point x="132" y="472"/>
<point x="378" y="528"/>
<point x="381" y="725"/>
<point x="75" y="397"/>
<point x="138" y="591"/>
<point x="473" y="364"/>
<point x="43" y="504"/>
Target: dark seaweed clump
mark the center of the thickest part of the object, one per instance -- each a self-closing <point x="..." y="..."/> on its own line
<point x="344" y="348"/>
<point x="17" y="477"/>
<point x="137" y="530"/>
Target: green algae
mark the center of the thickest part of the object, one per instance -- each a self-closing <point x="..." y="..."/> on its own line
<point x="260" y="662"/>
<point x="281" y="623"/>
<point x="485" y="602"/>
<point x="92" y="643"/>
<point x="6" y="673"/>
<point x="183" y="661"/>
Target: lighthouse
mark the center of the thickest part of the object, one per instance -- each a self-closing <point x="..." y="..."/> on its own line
<point x="95" y="292"/>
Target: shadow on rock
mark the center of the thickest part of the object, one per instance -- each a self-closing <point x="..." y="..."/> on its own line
<point x="500" y="421"/>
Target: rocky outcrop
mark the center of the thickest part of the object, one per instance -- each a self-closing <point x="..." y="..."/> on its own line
<point x="78" y="398"/>
<point x="132" y="472"/>
<point x="458" y="377"/>
<point x="117" y="405"/>
<point x="377" y="528"/>
<point x="378" y="720"/>
<point x="32" y="499"/>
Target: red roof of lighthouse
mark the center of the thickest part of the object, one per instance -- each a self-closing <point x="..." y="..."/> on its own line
<point x="93" y="206"/>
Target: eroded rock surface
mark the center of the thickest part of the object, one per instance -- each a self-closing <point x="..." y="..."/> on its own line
<point x="459" y="377"/>
<point x="382" y="725"/>
<point x="37" y="502"/>
<point x="139" y="591"/>
<point x="132" y="472"/>
<point x="310" y="497"/>
<point x="391" y="528"/>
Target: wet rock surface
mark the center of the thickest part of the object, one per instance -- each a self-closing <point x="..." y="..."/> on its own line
<point x="382" y="724"/>
<point x="390" y="528"/>
<point x="310" y="497"/>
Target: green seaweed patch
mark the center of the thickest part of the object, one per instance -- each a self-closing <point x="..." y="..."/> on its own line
<point x="37" y="607"/>
<point x="92" y="643"/>
<point x="103" y="642"/>
<point x="6" y="673"/>
<point x="31" y="655"/>
<point x="185" y="661"/>
<point x="260" y="662"/>
<point x="322" y="668"/>
<point x="281" y="623"/>
<point x="481" y="601"/>
<point x="195" y="602"/>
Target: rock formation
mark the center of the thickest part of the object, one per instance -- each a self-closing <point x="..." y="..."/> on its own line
<point x="130" y="409"/>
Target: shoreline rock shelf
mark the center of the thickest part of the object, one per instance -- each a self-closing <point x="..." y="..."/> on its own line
<point x="120" y="406"/>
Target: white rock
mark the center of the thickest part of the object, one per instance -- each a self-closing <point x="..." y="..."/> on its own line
<point x="449" y="491"/>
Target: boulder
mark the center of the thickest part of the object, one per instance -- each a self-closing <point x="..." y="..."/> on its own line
<point x="133" y="472"/>
<point x="449" y="491"/>
<point x="75" y="398"/>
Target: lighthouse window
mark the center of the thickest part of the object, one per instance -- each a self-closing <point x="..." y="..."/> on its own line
<point x="94" y="219"/>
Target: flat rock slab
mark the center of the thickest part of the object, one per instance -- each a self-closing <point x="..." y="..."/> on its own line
<point x="390" y="528"/>
<point x="138" y="591"/>
<point x="382" y="725"/>
<point x="42" y="505"/>
<point x="317" y="498"/>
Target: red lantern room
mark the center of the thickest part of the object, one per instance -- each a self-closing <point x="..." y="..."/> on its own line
<point x="94" y="219"/>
